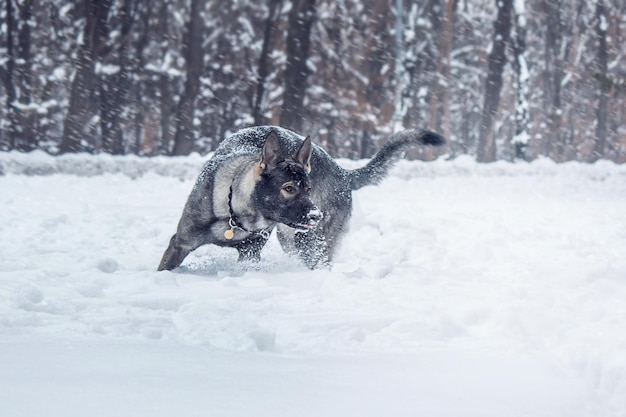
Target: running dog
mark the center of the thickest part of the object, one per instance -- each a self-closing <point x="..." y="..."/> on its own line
<point x="269" y="177"/>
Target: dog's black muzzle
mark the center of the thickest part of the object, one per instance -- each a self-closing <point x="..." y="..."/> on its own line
<point x="312" y="218"/>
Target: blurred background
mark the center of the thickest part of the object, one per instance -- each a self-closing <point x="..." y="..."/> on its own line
<point x="501" y="79"/>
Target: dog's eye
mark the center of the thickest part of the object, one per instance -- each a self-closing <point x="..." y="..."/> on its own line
<point x="289" y="189"/>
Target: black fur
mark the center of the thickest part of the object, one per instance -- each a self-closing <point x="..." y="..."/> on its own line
<point x="279" y="179"/>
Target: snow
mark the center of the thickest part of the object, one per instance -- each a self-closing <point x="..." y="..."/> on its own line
<point x="461" y="289"/>
<point x="604" y="25"/>
<point x="520" y="11"/>
<point x="107" y="69"/>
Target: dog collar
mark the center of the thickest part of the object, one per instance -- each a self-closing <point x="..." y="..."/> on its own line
<point x="235" y="223"/>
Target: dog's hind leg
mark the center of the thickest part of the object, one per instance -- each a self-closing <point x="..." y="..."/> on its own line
<point x="177" y="251"/>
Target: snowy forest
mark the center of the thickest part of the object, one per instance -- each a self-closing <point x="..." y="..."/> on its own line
<point x="501" y="79"/>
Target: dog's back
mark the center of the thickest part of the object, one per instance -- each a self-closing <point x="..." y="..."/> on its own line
<point x="252" y="139"/>
<point x="324" y="168"/>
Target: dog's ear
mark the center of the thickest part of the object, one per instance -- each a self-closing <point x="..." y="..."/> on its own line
<point x="303" y="156"/>
<point x="270" y="153"/>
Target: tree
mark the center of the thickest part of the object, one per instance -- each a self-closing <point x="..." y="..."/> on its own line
<point x="601" y="25"/>
<point x="423" y="40"/>
<point x="264" y="62"/>
<point x="440" y="88"/>
<point x="8" y="76"/>
<point x="301" y="19"/>
<point x="554" y="74"/>
<point x="85" y="83"/>
<point x="115" y="82"/>
<point x="161" y="69"/>
<point x="17" y="75"/>
<point x="486" y="151"/>
<point x="520" y="66"/>
<point x="194" y="56"/>
<point x="122" y="76"/>
<point x="379" y="54"/>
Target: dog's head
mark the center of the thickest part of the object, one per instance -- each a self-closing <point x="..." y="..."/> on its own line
<point x="283" y="189"/>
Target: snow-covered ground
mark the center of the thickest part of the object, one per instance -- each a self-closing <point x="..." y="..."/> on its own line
<point x="461" y="290"/>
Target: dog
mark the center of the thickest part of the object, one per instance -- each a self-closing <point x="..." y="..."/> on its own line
<point x="268" y="177"/>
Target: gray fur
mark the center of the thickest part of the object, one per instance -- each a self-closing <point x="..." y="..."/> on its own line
<point x="255" y="171"/>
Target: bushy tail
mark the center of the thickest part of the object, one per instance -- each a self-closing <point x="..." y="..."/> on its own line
<point x="377" y="168"/>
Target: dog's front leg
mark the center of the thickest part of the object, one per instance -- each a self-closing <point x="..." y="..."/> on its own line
<point x="312" y="249"/>
<point x="250" y="249"/>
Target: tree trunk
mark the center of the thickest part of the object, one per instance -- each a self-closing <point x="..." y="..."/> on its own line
<point x="166" y="102"/>
<point x="8" y="78"/>
<point x="17" y="76"/>
<point x="603" y="83"/>
<point x="81" y="106"/>
<point x="26" y="116"/>
<point x="554" y="73"/>
<point x="194" y="57"/>
<point x="263" y="71"/>
<point x="521" y="138"/>
<point x="166" y="110"/>
<point x="301" y="19"/>
<point x="442" y="75"/>
<point x="113" y="89"/>
<point x="486" y="151"/>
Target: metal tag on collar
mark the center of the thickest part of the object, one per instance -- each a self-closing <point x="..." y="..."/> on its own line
<point x="230" y="233"/>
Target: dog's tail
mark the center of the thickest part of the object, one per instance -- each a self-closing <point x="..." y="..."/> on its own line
<point x="377" y="168"/>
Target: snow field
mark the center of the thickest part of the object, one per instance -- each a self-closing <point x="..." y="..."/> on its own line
<point x="461" y="289"/>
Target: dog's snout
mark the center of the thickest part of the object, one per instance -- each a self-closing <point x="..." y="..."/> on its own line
<point x="314" y="215"/>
